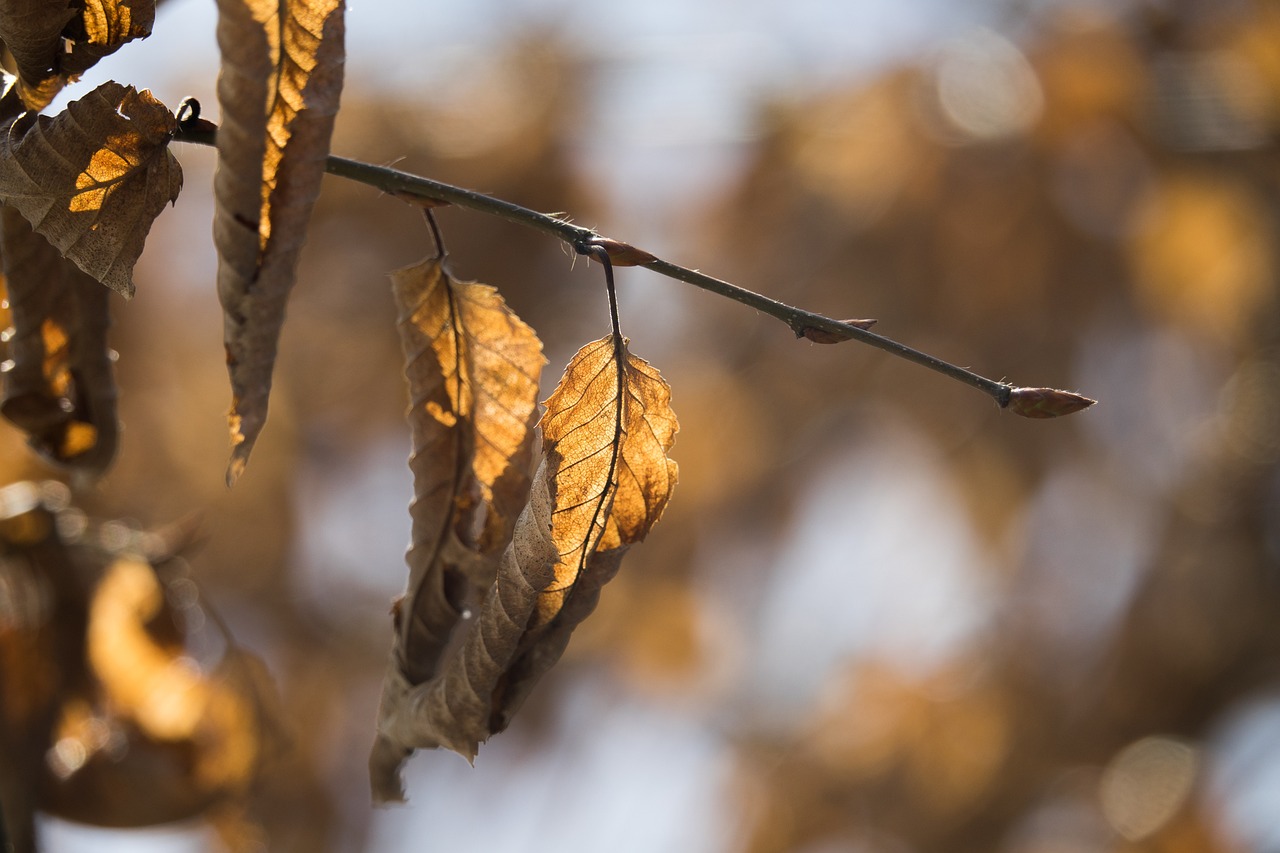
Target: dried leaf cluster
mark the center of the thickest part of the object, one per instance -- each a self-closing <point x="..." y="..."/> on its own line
<point x="503" y="564"/>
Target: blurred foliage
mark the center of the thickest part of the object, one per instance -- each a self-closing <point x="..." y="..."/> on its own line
<point x="1096" y="206"/>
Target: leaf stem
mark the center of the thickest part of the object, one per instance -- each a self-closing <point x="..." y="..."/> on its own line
<point x="601" y="255"/>
<point x="588" y="242"/>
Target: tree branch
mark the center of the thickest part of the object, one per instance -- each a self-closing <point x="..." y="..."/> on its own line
<point x="1028" y="402"/>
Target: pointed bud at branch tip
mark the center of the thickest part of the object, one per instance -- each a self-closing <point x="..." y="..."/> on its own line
<point x="1046" y="402"/>
<point x="823" y="336"/>
<point x="623" y="254"/>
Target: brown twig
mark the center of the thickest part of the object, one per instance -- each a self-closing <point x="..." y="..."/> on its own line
<point x="586" y="241"/>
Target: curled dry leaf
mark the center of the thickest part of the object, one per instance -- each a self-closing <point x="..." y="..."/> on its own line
<point x="55" y="41"/>
<point x="279" y="88"/>
<point x="58" y="381"/>
<point x="472" y="366"/>
<point x="32" y="31"/>
<point x="92" y="179"/>
<point x="603" y="483"/>
<point x="101" y="27"/>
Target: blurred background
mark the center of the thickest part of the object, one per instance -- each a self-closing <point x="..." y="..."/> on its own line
<point x="880" y="615"/>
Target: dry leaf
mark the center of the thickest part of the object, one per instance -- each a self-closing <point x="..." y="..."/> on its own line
<point x="101" y="28"/>
<point x="603" y="483"/>
<point x="453" y="708"/>
<point x="611" y="423"/>
<point x="279" y="88"/>
<point x="32" y="31"/>
<point x="472" y="367"/>
<point x="93" y="178"/>
<point x="58" y="382"/>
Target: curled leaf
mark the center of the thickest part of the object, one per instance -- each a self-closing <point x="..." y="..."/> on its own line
<point x="279" y="88"/>
<point x="32" y="32"/>
<point x="1046" y="402"/>
<point x="99" y="30"/>
<point x="472" y="367"/>
<point x="603" y="483"/>
<point x="58" y="382"/>
<point x="92" y="179"/>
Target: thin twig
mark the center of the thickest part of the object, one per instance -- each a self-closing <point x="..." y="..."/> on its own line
<point x="586" y="241"/>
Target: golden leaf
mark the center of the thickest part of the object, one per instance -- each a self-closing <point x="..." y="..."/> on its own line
<point x="472" y="367"/>
<point x="611" y="425"/>
<point x="279" y="88"/>
<point x="101" y="28"/>
<point x="603" y="483"/>
<point x="58" y="381"/>
<point x="92" y="179"/>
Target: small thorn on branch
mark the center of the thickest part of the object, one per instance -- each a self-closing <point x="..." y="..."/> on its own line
<point x="825" y="336"/>
<point x="1046" y="402"/>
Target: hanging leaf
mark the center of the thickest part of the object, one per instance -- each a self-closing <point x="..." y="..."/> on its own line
<point x="603" y="483"/>
<point x="100" y="28"/>
<point x="58" y="381"/>
<point x="452" y="709"/>
<point x="278" y="89"/>
<point x="472" y="367"/>
<point x="92" y="179"/>
<point x="32" y="31"/>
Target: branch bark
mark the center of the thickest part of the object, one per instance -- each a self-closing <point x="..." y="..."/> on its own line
<point x="586" y="241"/>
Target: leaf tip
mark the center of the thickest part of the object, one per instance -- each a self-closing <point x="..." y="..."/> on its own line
<point x="1046" y="402"/>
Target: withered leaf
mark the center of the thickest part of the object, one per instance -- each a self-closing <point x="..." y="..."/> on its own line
<point x="611" y="424"/>
<point x="279" y="87"/>
<point x="472" y="366"/>
<point x="603" y="483"/>
<point x="32" y="31"/>
<point x="92" y="179"/>
<point x="453" y="708"/>
<point x="101" y="27"/>
<point x="58" y="381"/>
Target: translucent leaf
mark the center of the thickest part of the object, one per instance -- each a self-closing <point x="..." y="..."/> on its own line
<point x="472" y="367"/>
<point x="278" y="89"/>
<point x="92" y="179"/>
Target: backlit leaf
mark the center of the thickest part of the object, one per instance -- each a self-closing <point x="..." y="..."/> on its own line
<point x="603" y="483"/>
<point x="278" y="89"/>
<point x="472" y="367"/>
<point x="92" y="179"/>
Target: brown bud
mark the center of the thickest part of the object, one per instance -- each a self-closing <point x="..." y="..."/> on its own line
<point x="623" y="254"/>
<point x="1046" y="402"/>
<point x="823" y="336"/>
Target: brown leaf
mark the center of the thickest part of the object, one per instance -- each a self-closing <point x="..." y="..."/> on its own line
<point x="93" y="178"/>
<point x="472" y="367"/>
<point x="603" y="483"/>
<point x="32" y="31"/>
<point x="58" y="381"/>
<point x="611" y="423"/>
<point x="101" y="28"/>
<point x="453" y="708"/>
<point x="279" y="88"/>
